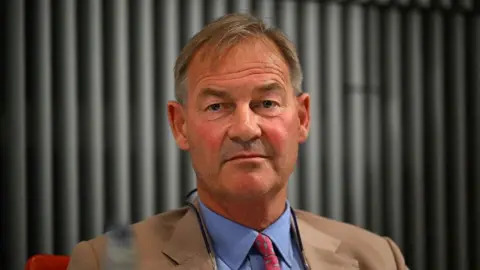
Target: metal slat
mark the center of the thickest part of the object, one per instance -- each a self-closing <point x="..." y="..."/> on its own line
<point x="476" y="143"/>
<point x="393" y="128"/>
<point x="374" y="129"/>
<point x="382" y="2"/>
<point x="456" y="143"/>
<point x="41" y="185"/>
<point x="333" y="85"/>
<point x="242" y="6"/>
<point x="403" y="2"/>
<point x="435" y="154"/>
<point x="265" y="10"/>
<point x="143" y="110"/>
<point x="214" y="9"/>
<point x="15" y="187"/>
<point x="424" y="3"/>
<point x="466" y="4"/>
<point x="92" y="185"/>
<point x="356" y="113"/>
<point x="194" y="23"/>
<point x="287" y="22"/>
<point x="66" y="180"/>
<point x="310" y="59"/>
<point x="414" y="143"/>
<point x="118" y="112"/>
<point x="445" y="4"/>
<point x="167" y="154"/>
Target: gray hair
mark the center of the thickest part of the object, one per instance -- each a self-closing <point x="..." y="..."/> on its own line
<point x="228" y="31"/>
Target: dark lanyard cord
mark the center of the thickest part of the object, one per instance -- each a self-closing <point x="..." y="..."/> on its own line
<point x="204" y="233"/>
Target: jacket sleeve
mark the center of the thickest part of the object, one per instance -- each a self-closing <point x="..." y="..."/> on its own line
<point x="83" y="258"/>
<point x="397" y="255"/>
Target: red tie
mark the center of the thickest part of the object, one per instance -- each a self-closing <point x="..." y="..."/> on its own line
<point x="265" y="247"/>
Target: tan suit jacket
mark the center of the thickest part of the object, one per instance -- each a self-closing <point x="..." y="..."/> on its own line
<point x="173" y="240"/>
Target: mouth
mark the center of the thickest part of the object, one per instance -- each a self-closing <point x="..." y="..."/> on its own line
<point x="246" y="157"/>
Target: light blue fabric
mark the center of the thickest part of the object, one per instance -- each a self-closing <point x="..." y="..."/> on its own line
<point x="233" y="243"/>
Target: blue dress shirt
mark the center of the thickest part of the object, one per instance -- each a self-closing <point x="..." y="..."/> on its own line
<point x="233" y="243"/>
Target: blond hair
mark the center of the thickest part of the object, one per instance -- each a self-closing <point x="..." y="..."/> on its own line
<point x="228" y="31"/>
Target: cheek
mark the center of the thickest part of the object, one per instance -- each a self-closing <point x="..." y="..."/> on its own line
<point x="280" y="134"/>
<point x="277" y="136"/>
<point x="206" y="137"/>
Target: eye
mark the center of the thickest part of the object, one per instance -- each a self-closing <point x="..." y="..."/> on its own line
<point x="268" y="104"/>
<point x="214" y="107"/>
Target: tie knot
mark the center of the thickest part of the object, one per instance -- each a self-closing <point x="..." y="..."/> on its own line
<point x="264" y="245"/>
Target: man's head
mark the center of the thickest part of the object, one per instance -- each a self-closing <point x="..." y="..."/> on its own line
<point x="239" y="110"/>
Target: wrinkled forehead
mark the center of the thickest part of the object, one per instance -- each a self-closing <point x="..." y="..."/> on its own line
<point x="254" y="52"/>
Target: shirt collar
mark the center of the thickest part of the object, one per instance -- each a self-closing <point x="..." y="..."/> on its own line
<point x="232" y="242"/>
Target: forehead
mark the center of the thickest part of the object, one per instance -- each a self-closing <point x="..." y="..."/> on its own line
<point x="248" y="62"/>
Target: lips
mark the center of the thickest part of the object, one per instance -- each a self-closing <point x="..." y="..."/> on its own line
<point x="245" y="156"/>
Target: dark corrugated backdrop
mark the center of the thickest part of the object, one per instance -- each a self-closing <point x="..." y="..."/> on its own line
<point x="394" y="145"/>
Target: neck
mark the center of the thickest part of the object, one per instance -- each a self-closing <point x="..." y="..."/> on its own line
<point x="255" y="213"/>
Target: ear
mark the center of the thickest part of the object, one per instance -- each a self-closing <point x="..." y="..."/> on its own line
<point x="303" y="110"/>
<point x="176" y="119"/>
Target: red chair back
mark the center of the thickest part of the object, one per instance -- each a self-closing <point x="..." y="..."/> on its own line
<point x="47" y="262"/>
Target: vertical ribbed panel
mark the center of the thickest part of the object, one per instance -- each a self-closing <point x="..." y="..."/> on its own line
<point x="382" y="2"/>
<point x="445" y="3"/>
<point x="66" y="184"/>
<point x="333" y="124"/>
<point x="475" y="247"/>
<point x="167" y="152"/>
<point x="117" y="112"/>
<point x="466" y="4"/>
<point x="312" y="149"/>
<point x="242" y="6"/>
<point x="374" y="126"/>
<point x="92" y="147"/>
<point x="456" y="136"/>
<point x="15" y="192"/>
<point x="413" y="136"/>
<point x="395" y="118"/>
<point x="287" y="22"/>
<point x="424" y="3"/>
<point x="355" y="108"/>
<point x="214" y="9"/>
<point x="193" y="11"/>
<point x="403" y="2"/>
<point x="435" y="144"/>
<point x="265" y="10"/>
<point x="143" y="124"/>
<point x="40" y="189"/>
<point x="392" y="124"/>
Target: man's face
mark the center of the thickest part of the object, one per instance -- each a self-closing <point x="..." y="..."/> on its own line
<point x="242" y="122"/>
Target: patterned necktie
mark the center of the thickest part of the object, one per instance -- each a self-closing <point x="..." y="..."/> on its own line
<point x="265" y="247"/>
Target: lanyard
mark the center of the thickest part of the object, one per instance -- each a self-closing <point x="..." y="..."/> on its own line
<point x="208" y="244"/>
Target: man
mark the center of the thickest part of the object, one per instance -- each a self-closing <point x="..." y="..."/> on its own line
<point x="241" y="114"/>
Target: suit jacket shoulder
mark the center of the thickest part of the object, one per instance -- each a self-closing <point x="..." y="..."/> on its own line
<point x="370" y="250"/>
<point x="151" y="237"/>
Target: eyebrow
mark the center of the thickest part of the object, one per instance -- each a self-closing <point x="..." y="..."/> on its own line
<point x="270" y="87"/>
<point x="207" y="92"/>
<point x="223" y="94"/>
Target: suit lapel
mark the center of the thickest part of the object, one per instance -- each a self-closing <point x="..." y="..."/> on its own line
<point x="186" y="246"/>
<point x="320" y="249"/>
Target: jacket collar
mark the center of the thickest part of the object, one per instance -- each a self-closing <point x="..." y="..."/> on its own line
<point x="320" y="249"/>
<point x="187" y="248"/>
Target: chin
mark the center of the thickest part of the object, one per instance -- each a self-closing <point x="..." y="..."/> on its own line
<point x="249" y="186"/>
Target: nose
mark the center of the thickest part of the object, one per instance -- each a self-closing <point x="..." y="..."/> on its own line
<point x="244" y="126"/>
